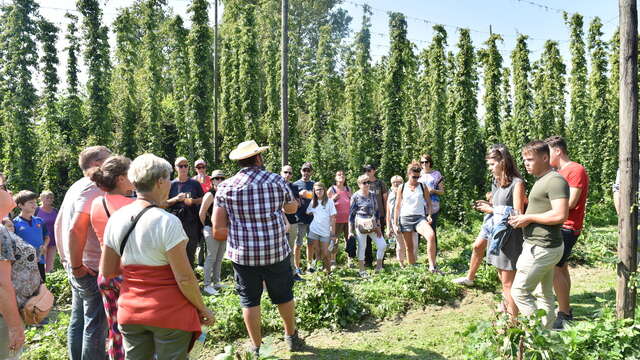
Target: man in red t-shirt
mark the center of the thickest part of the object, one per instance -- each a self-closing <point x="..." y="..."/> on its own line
<point x="578" y="180"/>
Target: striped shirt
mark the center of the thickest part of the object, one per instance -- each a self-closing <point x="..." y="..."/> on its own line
<point x="253" y="199"/>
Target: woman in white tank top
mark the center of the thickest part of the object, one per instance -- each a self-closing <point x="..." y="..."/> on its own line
<point x="413" y="214"/>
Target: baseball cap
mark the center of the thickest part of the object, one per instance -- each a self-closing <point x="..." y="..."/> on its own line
<point x="306" y="165"/>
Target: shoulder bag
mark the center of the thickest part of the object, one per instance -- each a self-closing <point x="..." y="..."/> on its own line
<point x="38" y="306"/>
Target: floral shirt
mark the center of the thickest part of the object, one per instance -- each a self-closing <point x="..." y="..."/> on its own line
<point x="24" y="264"/>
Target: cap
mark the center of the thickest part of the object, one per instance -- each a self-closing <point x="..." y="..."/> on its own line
<point x="200" y="162"/>
<point x="368" y="167"/>
<point x="306" y="165"/>
<point x="179" y="160"/>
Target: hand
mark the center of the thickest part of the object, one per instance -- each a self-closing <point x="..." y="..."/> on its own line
<point x="429" y="219"/>
<point x="188" y="201"/>
<point x="335" y="197"/>
<point x="206" y="317"/>
<point x="42" y="250"/>
<point x="180" y="197"/>
<point x="396" y="228"/>
<point x="16" y="338"/>
<point x="334" y="238"/>
<point x="378" y="232"/>
<point x="83" y="271"/>
<point x="519" y="221"/>
<point x="484" y="207"/>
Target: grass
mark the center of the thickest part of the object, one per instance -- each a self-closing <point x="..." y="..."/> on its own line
<point x="434" y="332"/>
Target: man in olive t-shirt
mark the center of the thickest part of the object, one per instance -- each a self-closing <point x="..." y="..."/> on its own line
<point x="543" y="245"/>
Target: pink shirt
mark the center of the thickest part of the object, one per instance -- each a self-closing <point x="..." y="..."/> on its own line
<point x="99" y="216"/>
<point x="342" y="204"/>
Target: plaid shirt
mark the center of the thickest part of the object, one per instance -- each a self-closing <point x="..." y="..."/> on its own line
<point x="254" y="199"/>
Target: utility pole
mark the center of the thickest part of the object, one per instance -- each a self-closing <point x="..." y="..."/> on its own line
<point x="628" y="157"/>
<point x="216" y="86"/>
<point x="284" y="82"/>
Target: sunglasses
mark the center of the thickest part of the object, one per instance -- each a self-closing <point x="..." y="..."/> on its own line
<point x="416" y="177"/>
<point x="201" y="167"/>
<point x="424" y="162"/>
<point x="287" y="172"/>
<point x="183" y="166"/>
<point x="218" y="178"/>
<point x="366" y="183"/>
<point x="306" y="170"/>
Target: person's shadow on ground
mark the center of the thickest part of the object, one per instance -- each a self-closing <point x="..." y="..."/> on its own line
<point x="349" y="354"/>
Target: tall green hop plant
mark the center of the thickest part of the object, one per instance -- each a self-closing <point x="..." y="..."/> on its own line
<point x="549" y="93"/>
<point x="467" y="168"/>
<point x="491" y="60"/>
<point x="393" y="105"/>
<point x="18" y="45"/>
<point x="578" y="127"/>
<point x="520" y="122"/>
<point x="611" y="142"/>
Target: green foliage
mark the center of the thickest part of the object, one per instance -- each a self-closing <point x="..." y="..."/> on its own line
<point x="609" y="148"/>
<point x="598" y="108"/>
<point x="578" y="128"/>
<point x="59" y="286"/>
<point x="491" y="60"/>
<point x="49" y="341"/>
<point x="596" y="246"/>
<point x="549" y="93"/>
<point x="467" y="168"/>
<point x="517" y="131"/>
<point x="604" y="337"/>
<point x="97" y="60"/>
<point x="18" y="44"/>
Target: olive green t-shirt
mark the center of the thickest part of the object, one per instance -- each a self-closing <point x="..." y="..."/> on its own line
<point x="550" y="186"/>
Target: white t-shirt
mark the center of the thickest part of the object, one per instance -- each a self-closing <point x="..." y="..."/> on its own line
<point x="156" y="233"/>
<point x="78" y="199"/>
<point x="322" y="217"/>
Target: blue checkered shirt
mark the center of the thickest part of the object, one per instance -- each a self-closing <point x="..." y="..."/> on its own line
<point x="253" y="199"/>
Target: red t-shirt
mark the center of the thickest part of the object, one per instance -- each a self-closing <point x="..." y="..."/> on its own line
<point x="576" y="177"/>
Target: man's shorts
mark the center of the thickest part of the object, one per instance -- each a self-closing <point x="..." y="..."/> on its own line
<point x="303" y="230"/>
<point x="570" y="238"/>
<point x="278" y="278"/>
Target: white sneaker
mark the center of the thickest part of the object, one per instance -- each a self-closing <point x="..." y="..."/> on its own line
<point x="200" y="268"/>
<point x="210" y="290"/>
<point x="463" y="281"/>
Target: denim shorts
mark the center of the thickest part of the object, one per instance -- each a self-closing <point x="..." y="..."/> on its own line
<point x="278" y="277"/>
<point x="569" y="238"/>
<point x="410" y="223"/>
<point x="313" y="236"/>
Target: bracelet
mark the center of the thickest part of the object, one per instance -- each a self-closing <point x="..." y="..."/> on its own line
<point x="77" y="267"/>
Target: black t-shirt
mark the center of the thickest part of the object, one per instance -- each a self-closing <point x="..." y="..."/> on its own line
<point x="207" y="219"/>
<point x="293" y="218"/>
<point x="303" y="217"/>
<point x="188" y="214"/>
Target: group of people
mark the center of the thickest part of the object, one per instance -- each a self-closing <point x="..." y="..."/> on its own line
<point x="531" y="248"/>
<point x="128" y="235"/>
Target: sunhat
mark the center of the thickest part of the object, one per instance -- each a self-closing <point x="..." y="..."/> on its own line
<point x="246" y="150"/>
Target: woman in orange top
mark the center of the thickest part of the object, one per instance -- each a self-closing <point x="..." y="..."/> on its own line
<point x="160" y="309"/>
<point x="111" y="177"/>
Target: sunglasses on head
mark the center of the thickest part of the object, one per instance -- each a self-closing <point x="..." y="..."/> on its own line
<point x="287" y="172"/>
<point x="201" y="167"/>
<point x="183" y="166"/>
<point x="218" y="178"/>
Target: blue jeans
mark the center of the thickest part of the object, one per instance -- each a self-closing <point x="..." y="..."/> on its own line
<point x="88" y="324"/>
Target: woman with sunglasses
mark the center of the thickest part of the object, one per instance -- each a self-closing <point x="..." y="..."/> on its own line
<point x="435" y="181"/>
<point x="413" y="214"/>
<point x="364" y="222"/>
<point x="201" y="175"/>
<point x="341" y="196"/>
<point x="215" y="248"/>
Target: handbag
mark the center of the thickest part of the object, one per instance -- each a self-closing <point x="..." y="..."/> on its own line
<point x="365" y="225"/>
<point x="38" y="306"/>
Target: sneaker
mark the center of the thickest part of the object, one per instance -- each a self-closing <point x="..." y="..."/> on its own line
<point x="463" y="281"/>
<point x="299" y="271"/>
<point x="294" y="343"/>
<point x="297" y="277"/>
<point x="363" y="274"/>
<point x="199" y="268"/>
<point x="210" y="290"/>
<point x="561" y="320"/>
<point x="219" y="286"/>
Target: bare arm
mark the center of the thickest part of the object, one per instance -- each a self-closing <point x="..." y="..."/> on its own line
<point x="439" y="189"/>
<point x="207" y="202"/>
<point x="109" y="263"/>
<point x="332" y="230"/>
<point x="557" y="215"/>
<point x="574" y="196"/>
<point x="186" y="279"/>
<point x="190" y="202"/>
<point x="9" y="307"/>
<point x="291" y="207"/>
<point x="77" y="241"/>
<point x="219" y="223"/>
<point x="396" y="212"/>
<point x="519" y="197"/>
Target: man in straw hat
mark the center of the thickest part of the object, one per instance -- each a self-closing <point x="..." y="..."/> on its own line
<point x="248" y="212"/>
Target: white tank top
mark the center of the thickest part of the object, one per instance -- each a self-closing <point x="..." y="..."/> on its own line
<point x="412" y="201"/>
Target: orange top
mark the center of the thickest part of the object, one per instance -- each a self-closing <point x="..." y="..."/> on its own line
<point x="149" y="295"/>
<point x="99" y="216"/>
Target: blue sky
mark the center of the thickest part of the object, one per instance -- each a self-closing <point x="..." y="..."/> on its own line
<point x="507" y="17"/>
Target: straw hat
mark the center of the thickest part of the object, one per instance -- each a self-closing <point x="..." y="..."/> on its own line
<point x="246" y="150"/>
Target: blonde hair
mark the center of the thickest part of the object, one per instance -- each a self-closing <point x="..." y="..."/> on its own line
<point x="362" y="178"/>
<point x="145" y="171"/>
<point x="396" y="178"/>
<point x="46" y="193"/>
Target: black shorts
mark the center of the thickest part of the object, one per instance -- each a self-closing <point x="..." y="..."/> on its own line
<point x="278" y="278"/>
<point x="570" y="238"/>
